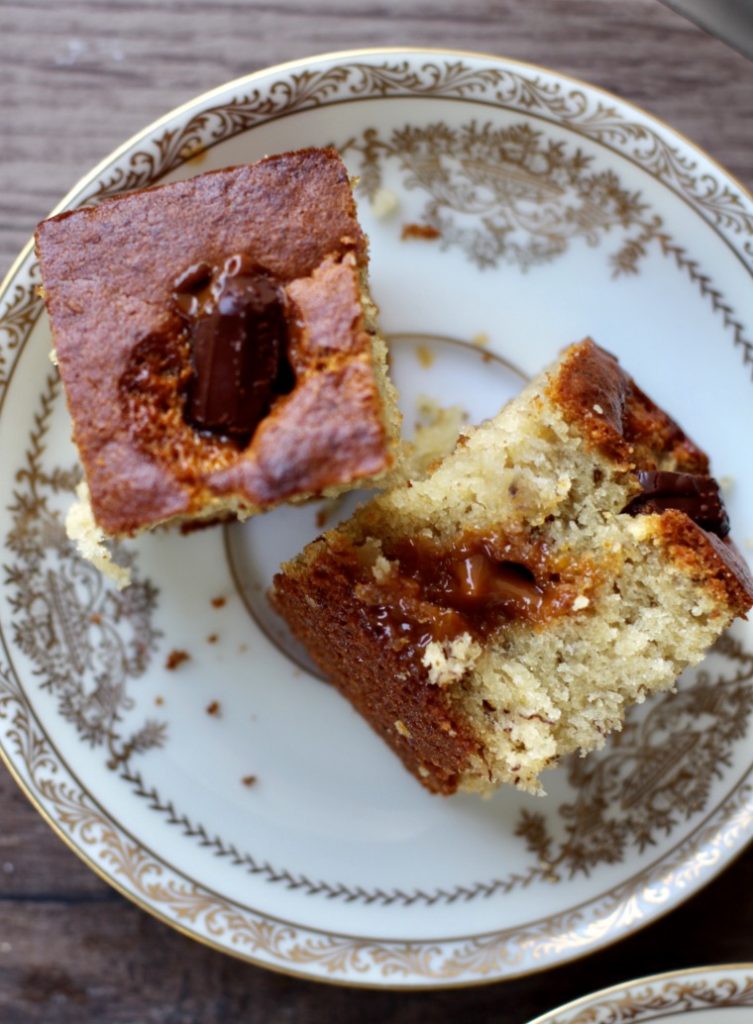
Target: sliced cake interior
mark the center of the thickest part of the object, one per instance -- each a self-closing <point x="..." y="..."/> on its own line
<point x="569" y="558"/>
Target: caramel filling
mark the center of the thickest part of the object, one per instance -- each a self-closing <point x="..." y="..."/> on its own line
<point x="475" y="586"/>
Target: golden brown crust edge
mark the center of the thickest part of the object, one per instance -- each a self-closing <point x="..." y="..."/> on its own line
<point x="715" y="565"/>
<point x="620" y="421"/>
<point x="96" y="259"/>
<point x="615" y="416"/>
<point x="315" y="596"/>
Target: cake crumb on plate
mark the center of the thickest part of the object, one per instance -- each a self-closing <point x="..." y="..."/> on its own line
<point x="425" y="231"/>
<point x="384" y="203"/>
<point x="175" y="658"/>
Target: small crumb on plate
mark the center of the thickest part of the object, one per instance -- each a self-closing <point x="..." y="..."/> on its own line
<point x="726" y="484"/>
<point x="426" y="231"/>
<point x="328" y="511"/>
<point x="425" y="356"/>
<point x="175" y="658"/>
<point x="384" y="203"/>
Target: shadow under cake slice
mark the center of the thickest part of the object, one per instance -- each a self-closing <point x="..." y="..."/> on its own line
<point x="218" y="346"/>
<point x="570" y="557"/>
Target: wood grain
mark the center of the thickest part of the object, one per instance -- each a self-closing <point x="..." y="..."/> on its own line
<point x="77" y="78"/>
<point x="80" y="77"/>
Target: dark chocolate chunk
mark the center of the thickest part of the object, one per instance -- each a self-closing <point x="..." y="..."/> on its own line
<point x="238" y="334"/>
<point x="477" y="581"/>
<point x="692" y="493"/>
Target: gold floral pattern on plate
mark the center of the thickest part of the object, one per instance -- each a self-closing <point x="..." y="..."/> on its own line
<point x="678" y="995"/>
<point x="527" y="197"/>
<point x="73" y="627"/>
<point x="513" y="195"/>
<point x="509" y="195"/>
<point x="542" y="195"/>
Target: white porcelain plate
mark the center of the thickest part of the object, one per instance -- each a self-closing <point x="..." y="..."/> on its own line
<point x="701" y="995"/>
<point x="559" y="211"/>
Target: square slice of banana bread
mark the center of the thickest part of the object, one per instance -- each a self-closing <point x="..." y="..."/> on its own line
<point x="217" y="346"/>
<point x="569" y="558"/>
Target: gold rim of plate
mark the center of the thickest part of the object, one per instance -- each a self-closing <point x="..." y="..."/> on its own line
<point x="110" y="877"/>
<point x="654" y="1006"/>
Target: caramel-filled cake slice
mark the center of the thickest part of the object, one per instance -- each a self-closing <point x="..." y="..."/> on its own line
<point x="218" y="346"/>
<point x="569" y="558"/>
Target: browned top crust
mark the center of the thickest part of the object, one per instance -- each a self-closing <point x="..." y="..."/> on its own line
<point x="109" y="276"/>
<point x="714" y="564"/>
<point x="617" y="418"/>
<point x="419" y="721"/>
<point x="594" y="392"/>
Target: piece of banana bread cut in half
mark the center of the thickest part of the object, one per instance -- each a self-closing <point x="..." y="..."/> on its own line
<point x="569" y="558"/>
<point x="217" y="345"/>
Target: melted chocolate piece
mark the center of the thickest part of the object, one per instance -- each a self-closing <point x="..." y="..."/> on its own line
<point x="469" y="578"/>
<point x="408" y="626"/>
<point x="692" y="493"/>
<point x="442" y="592"/>
<point x="238" y="332"/>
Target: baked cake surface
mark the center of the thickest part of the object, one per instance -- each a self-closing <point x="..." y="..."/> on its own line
<point x="217" y="344"/>
<point x="570" y="557"/>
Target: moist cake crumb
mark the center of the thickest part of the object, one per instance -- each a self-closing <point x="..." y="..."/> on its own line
<point x="213" y="638"/>
<point x="474" y="657"/>
<point x="213" y="708"/>
<point x="449" y="660"/>
<point x="436" y="433"/>
<point x="89" y="539"/>
<point x="381" y="568"/>
<point x="249" y="780"/>
<point x="218" y="602"/>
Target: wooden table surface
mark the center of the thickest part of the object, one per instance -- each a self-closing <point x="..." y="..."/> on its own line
<point x="79" y="77"/>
